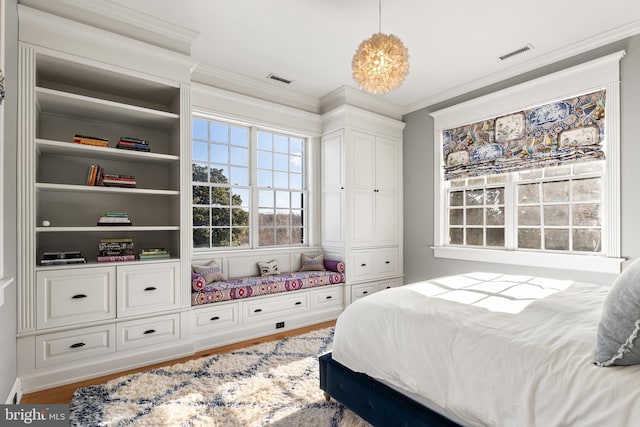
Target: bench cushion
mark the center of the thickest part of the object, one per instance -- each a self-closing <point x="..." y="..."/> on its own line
<point x="245" y="287"/>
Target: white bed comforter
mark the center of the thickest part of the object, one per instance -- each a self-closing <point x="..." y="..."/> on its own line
<point x="492" y="350"/>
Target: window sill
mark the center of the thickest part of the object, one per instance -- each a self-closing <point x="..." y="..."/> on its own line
<point x="594" y="263"/>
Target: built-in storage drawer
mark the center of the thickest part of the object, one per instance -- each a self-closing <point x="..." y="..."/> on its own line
<point x="325" y="298"/>
<point x="61" y="347"/>
<point x="75" y="296"/>
<point x="148" y="288"/>
<point x="385" y="261"/>
<point x="255" y="310"/>
<point x="216" y="319"/>
<point x="361" y="265"/>
<point x="143" y="332"/>
<point x="363" y="289"/>
<point x="389" y="283"/>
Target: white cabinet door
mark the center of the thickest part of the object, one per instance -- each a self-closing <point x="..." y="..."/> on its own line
<point x="333" y="190"/>
<point x="148" y="288"/>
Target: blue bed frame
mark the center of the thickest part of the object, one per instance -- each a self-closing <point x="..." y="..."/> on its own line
<point x="373" y="401"/>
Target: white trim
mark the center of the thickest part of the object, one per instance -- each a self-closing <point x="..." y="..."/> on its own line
<point x="598" y="264"/>
<point x="16" y="390"/>
<point x="600" y="73"/>
<point x="4" y="284"/>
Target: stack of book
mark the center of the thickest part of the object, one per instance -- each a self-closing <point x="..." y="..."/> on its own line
<point x="110" y="250"/>
<point x="137" y="144"/>
<point x="117" y="180"/>
<point x="91" y="140"/>
<point x="95" y="175"/>
<point x="154" y="253"/>
<point x="114" y="219"/>
<point x="60" y="258"/>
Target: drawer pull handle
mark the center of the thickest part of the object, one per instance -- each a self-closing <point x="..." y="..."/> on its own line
<point x="298" y="302"/>
<point x="329" y="297"/>
<point x="388" y="287"/>
<point x="78" y="296"/>
<point x="257" y="310"/>
<point x="150" y="288"/>
<point x="387" y="262"/>
<point x="77" y="345"/>
<point x="365" y="292"/>
<point x="363" y="265"/>
<point x="215" y="318"/>
<point x="149" y="331"/>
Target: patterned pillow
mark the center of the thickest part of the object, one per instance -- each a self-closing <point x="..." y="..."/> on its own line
<point x="308" y="263"/>
<point x="618" y="337"/>
<point x="197" y="282"/>
<point x="268" y="268"/>
<point x="211" y="272"/>
<point x="332" y="265"/>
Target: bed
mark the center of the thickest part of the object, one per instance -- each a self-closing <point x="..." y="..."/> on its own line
<point x="484" y="349"/>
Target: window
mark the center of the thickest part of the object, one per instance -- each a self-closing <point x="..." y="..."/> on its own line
<point x="248" y="186"/>
<point x="533" y="178"/>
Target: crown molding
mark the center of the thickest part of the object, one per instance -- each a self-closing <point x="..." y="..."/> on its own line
<point x="120" y="19"/>
<point x="268" y="91"/>
<point x="617" y="34"/>
<point x="346" y="95"/>
<point x="348" y="116"/>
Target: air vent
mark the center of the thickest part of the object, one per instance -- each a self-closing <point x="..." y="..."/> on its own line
<point x="516" y="52"/>
<point x="279" y="79"/>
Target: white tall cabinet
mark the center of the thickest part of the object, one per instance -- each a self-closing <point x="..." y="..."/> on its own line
<point x="361" y="156"/>
<point x="88" y="319"/>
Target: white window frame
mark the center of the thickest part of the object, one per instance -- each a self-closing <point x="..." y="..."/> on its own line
<point x="602" y="73"/>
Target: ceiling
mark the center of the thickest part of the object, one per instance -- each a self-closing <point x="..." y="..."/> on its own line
<point x="453" y="45"/>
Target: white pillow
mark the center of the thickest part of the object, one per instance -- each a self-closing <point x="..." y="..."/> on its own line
<point x="268" y="268"/>
<point x="211" y="271"/>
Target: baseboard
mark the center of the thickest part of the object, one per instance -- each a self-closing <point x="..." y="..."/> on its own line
<point x="15" y="395"/>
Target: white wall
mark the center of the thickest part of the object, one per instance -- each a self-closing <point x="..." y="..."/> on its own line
<point x="419" y="262"/>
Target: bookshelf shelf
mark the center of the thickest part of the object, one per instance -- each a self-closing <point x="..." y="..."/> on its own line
<point x="70" y="188"/>
<point x="70" y="104"/>
<point x="59" y="148"/>
<point x="107" y="229"/>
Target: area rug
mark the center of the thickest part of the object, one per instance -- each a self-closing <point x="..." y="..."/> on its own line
<point x="274" y="383"/>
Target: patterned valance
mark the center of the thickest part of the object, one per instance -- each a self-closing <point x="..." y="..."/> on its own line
<point x="551" y="134"/>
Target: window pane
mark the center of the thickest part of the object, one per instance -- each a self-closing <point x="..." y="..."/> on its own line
<point x="556" y="239"/>
<point x="296" y="218"/>
<point x="475" y="216"/>
<point x="240" y="197"/>
<point x="239" y="217"/>
<point x="201" y="216"/>
<point x="556" y="215"/>
<point x="219" y="153"/>
<point x="557" y="191"/>
<point x="201" y="237"/>
<point x="475" y="236"/>
<point x="456" y="198"/>
<point x="199" y="172"/>
<point x="456" y="236"/>
<point x="267" y="236"/>
<point x="495" y="216"/>
<point x="199" y="151"/>
<point x="529" y="215"/>
<point x="475" y="197"/>
<point x="265" y="141"/>
<point x="201" y="195"/>
<point x="266" y="199"/>
<point x="199" y="130"/>
<point x="458" y="183"/>
<point x="282" y="217"/>
<point x="528" y="193"/>
<point x="265" y="178"/>
<point x="265" y="160"/>
<point x="219" y="175"/>
<point x="586" y="240"/>
<point x="220" y="217"/>
<point x="586" y="189"/>
<point x="281" y="162"/>
<point x="496" y="179"/>
<point x="296" y="200"/>
<point x="220" y="196"/>
<point x="219" y="132"/>
<point x="220" y="237"/>
<point x="529" y="238"/>
<point x="281" y="180"/>
<point x="282" y="199"/>
<point x="587" y="214"/>
<point x="280" y="144"/>
<point x="456" y="217"/>
<point x="295" y="164"/>
<point x="240" y="136"/>
<point x="495" y="237"/>
<point x="495" y="196"/>
<point x="267" y="217"/>
<point x="297" y="236"/>
<point x="283" y="236"/>
<point x="295" y="146"/>
<point x="475" y="181"/>
<point x="557" y="171"/>
<point x="587" y="167"/>
<point x="239" y="156"/>
<point x="530" y="174"/>
<point x="240" y="236"/>
<point x="239" y="176"/>
<point x="295" y="181"/>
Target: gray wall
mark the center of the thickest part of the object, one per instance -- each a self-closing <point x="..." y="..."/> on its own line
<point x="8" y="310"/>
<point x="419" y="262"/>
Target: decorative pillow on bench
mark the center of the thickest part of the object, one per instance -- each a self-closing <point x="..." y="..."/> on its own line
<point x="203" y="274"/>
<point x="268" y="268"/>
<point x="308" y="263"/>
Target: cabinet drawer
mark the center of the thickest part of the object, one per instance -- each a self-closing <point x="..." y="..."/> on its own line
<point x="278" y="306"/>
<point x="362" y="290"/>
<point x="216" y="319"/>
<point x="139" y="333"/>
<point x="328" y="298"/>
<point x="148" y="288"/>
<point x="75" y="296"/>
<point x="68" y="346"/>
<point x="361" y="265"/>
<point x="386" y="261"/>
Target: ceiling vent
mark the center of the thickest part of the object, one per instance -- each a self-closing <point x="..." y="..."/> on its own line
<point x="523" y="49"/>
<point x="279" y="79"/>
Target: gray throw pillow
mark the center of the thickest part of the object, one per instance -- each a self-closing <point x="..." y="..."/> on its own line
<point x="617" y="341"/>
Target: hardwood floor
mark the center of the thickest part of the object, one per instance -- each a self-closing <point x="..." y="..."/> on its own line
<point x="63" y="394"/>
